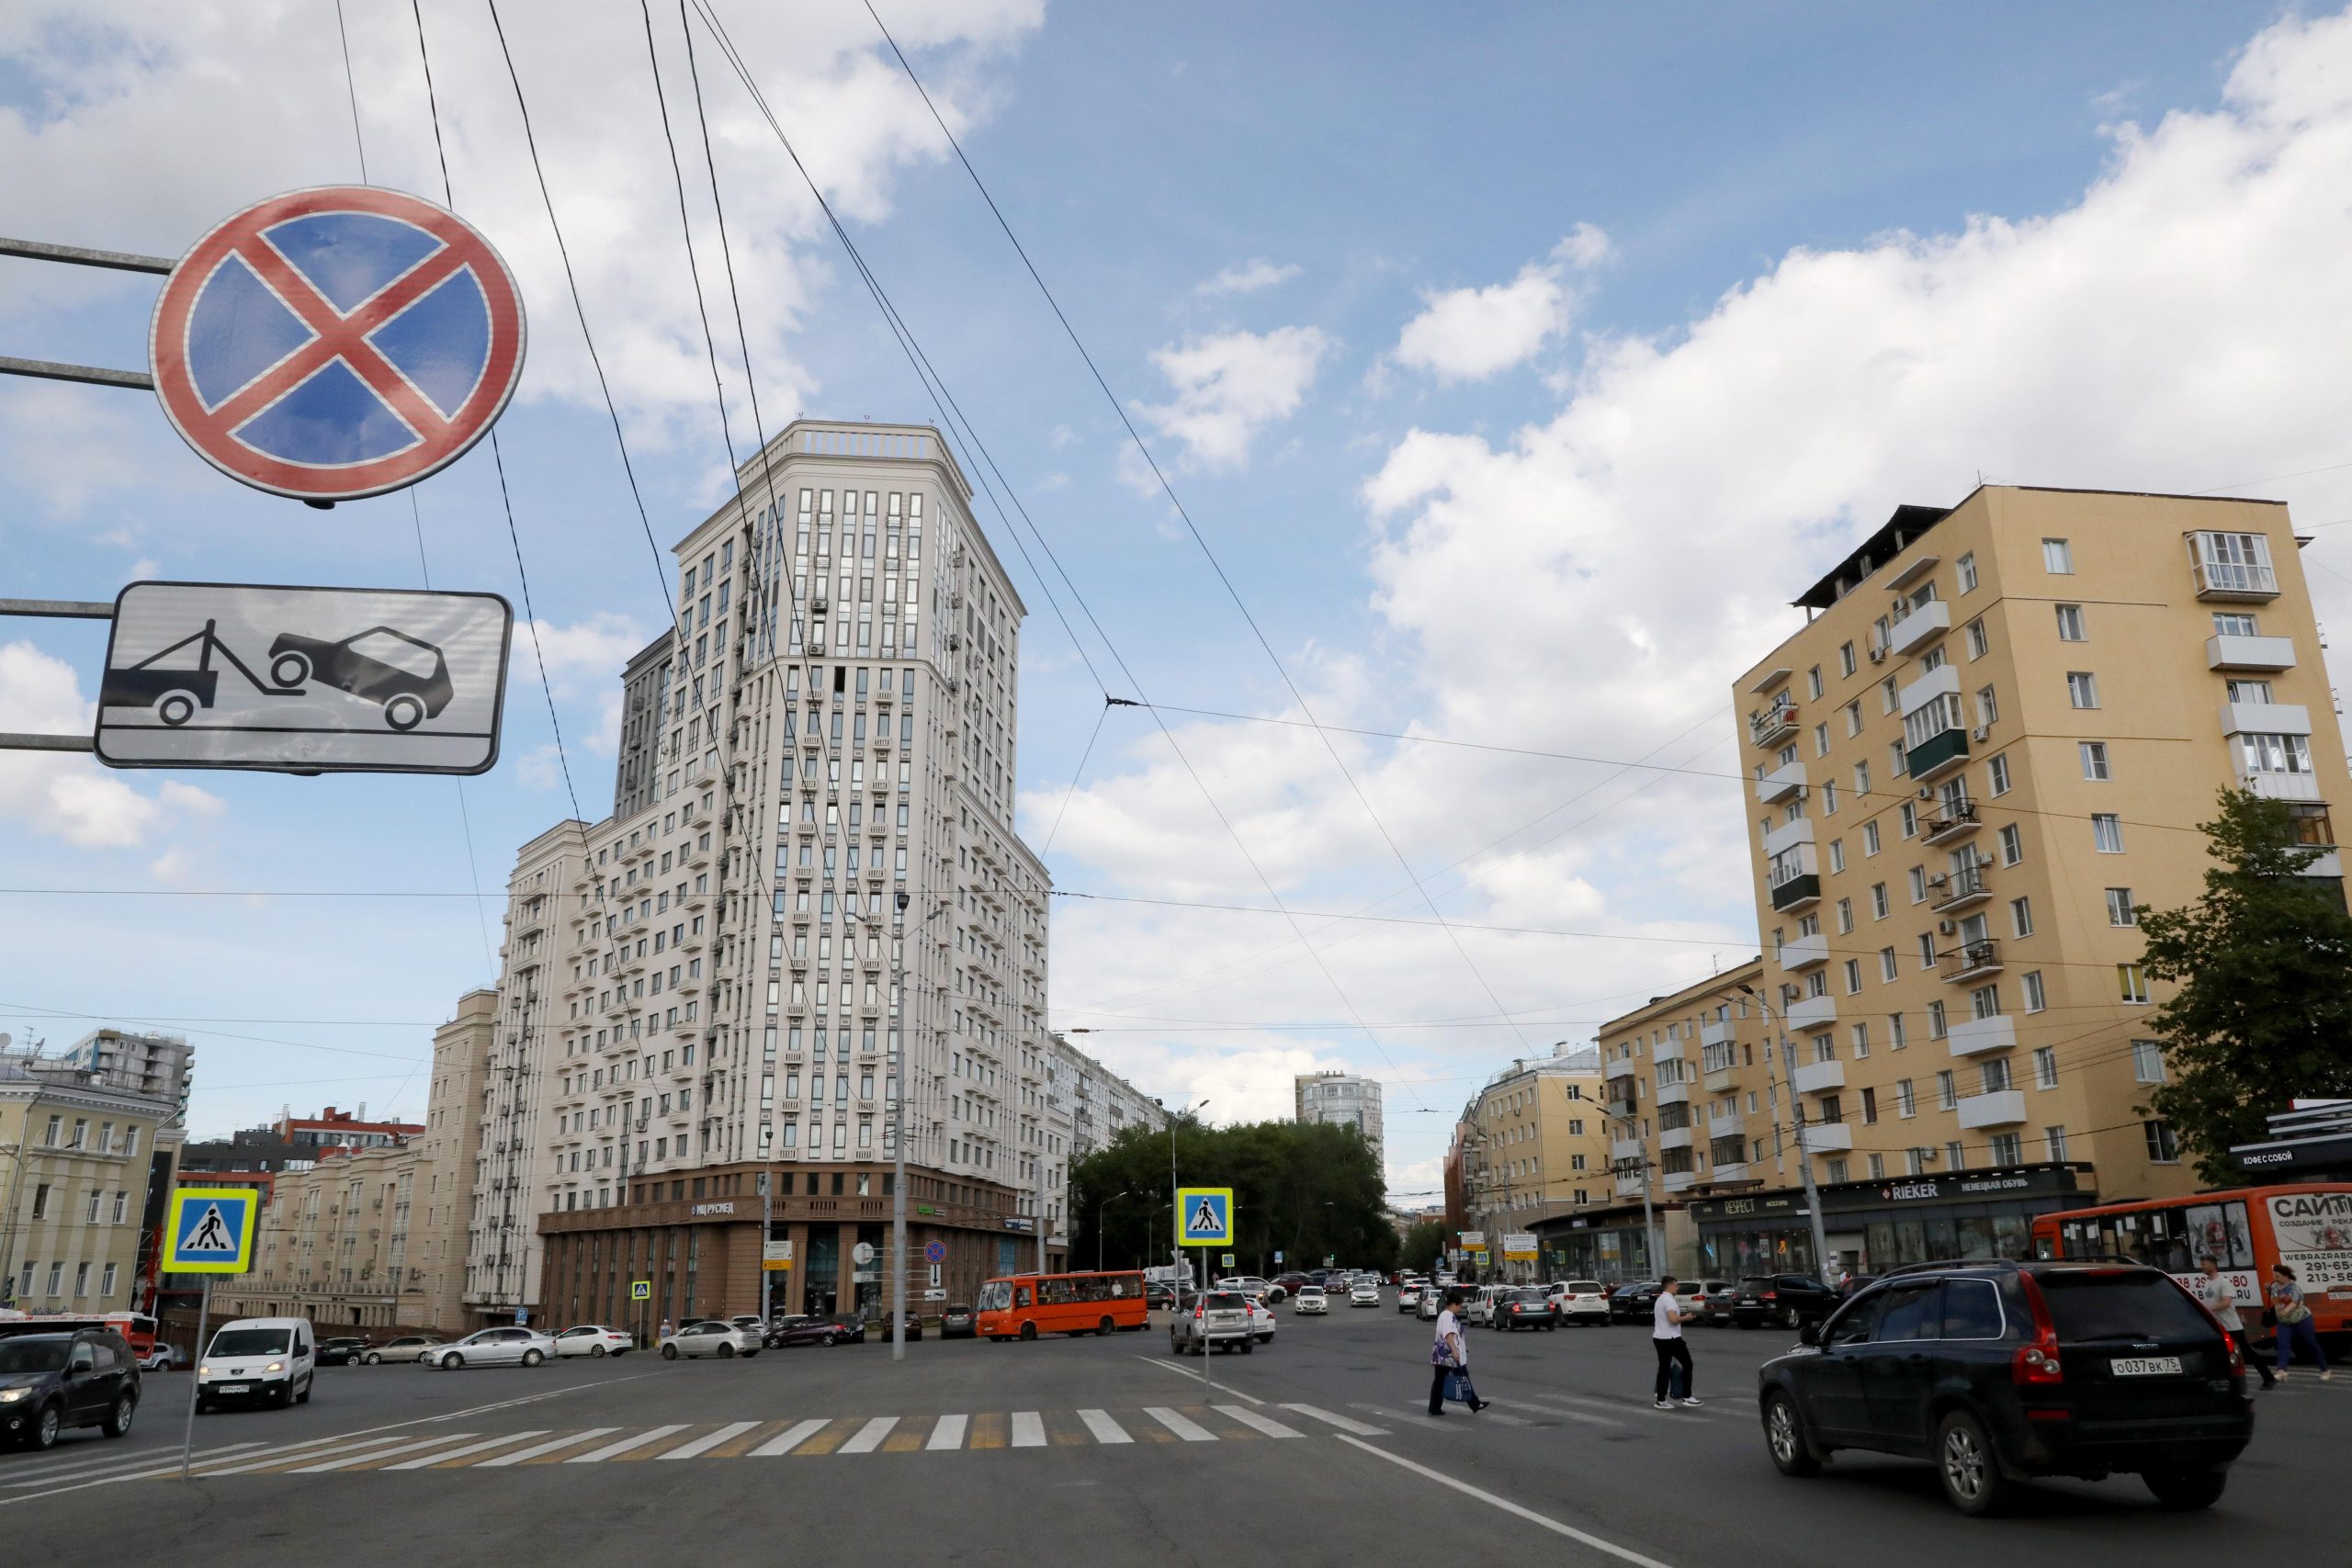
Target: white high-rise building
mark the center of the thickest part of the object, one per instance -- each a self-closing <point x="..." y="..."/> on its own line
<point x="699" y="991"/>
<point x="1343" y="1099"/>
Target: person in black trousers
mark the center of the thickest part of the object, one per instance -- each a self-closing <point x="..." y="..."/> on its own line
<point x="1456" y="1359"/>
<point x="1667" y="1318"/>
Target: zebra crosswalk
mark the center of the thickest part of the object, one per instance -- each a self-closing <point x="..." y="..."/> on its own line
<point x="806" y="1437"/>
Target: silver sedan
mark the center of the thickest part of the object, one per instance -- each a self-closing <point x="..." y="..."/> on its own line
<point x="713" y="1337"/>
<point x="493" y="1347"/>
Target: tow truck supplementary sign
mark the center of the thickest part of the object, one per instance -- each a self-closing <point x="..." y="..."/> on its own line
<point x="209" y="1230"/>
<point x="1204" y="1216"/>
<point x="303" y="679"/>
<point x="336" y="343"/>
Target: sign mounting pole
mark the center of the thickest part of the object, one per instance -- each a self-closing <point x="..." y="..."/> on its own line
<point x="203" y="1316"/>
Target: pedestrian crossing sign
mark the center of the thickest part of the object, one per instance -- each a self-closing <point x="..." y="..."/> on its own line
<point x="1204" y="1216"/>
<point x="209" y="1230"/>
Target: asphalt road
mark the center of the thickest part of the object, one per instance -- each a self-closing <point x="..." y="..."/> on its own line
<point x="1315" y="1448"/>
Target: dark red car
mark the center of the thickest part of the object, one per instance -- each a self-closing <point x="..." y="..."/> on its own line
<point x="826" y="1328"/>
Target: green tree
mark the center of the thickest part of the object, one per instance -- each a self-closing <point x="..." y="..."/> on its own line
<point x="1423" y="1246"/>
<point x="2263" y="1012"/>
<point x="1305" y="1191"/>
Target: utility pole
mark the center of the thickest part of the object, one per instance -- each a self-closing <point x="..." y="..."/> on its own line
<point x="1772" y="1049"/>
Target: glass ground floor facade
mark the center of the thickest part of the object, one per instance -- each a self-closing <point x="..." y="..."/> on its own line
<point x="1872" y="1226"/>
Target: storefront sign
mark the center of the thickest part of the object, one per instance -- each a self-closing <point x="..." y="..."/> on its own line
<point x="726" y="1208"/>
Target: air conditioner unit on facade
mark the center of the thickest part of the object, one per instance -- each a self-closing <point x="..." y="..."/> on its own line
<point x="1878" y="656"/>
<point x="1945" y="928"/>
<point x="1982" y="733"/>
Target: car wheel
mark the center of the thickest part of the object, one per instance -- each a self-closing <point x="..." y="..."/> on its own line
<point x="1175" y="1347"/>
<point x="405" y="712"/>
<point x="2182" y="1492"/>
<point x="1103" y="1329"/>
<point x="118" y="1420"/>
<point x="289" y="668"/>
<point x="1791" y="1318"/>
<point x="43" y="1432"/>
<point x="1249" y="1346"/>
<point x="533" y="1357"/>
<point x="1028" y="1331"/>
<point x="176" y="708"/>
<point x="1745" y="1322"/>
<point x="373" y="1360"/>
<point x="1784" y="1437"/>
<point x="670" y="1352"/>
<point x="598" y="1350"/>
<point x="828" y="1341"/>
<point x="725" y="1352"/>
<point x="1967" y="1466"/>
<point x="204" y="1408"/>
<point x="452" y="1361"/>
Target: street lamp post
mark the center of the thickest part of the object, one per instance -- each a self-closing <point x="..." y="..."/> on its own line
<point x="1099" y="1207"/>
<point x="1176" y="1220"/>
<point x="1796" y="1110"/>
<point x="898" y="1060"/>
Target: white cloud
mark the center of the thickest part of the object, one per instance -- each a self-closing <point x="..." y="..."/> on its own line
<point x="67" y="796"/>
<point x="1250" y="276"/>
<point x="1467" y="334"/>
<point x="1592" y="581"/>
<point x="1230" y="385"/>
<point x="593" y="649"/>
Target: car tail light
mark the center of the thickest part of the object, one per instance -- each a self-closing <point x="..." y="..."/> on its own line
<point x="1770" y="1296"/>
<point x="2037" y="1365"/>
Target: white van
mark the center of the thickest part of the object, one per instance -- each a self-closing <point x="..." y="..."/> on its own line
<point x="258" y="1360"/>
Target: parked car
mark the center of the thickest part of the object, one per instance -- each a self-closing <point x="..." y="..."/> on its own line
<point x="820" y="1328"/>
<point x="1531" y="1307"/>
<point x="1312" y="1300"/>
<point x="1790" y="1300"/>
<point x="711" y="1337"/>
<point x="343" y="1351"/>
<point x="1288" y="1284"/>
<point x="84" y="1377"/>
<point x="1363" y="1293"/>
<point x="1998" y="1373"/>
<point x="1409" y="1296"/>
<point x="163" y="1357"/>
<point x="1484" y="1299"/>
<point x="1249" y="1285"/>
<point x="407" y="1347"/>
<point x="1581" y="1302"/>
<point x="594" y="1339"/>
<point x="1709" y="1301"/>
<point x="1261" y="1320"/>
<point x="959" y="1322"/>
<point x="914" y="1327"/>
<point x="515" y="1347"/>
<point x="1159" y="1295"/>
<point x="1218" y="1318"/>
<point x="1634" y="1301"/>
<point x="259" y="1360"/>
<point x="1432" y="1303"/>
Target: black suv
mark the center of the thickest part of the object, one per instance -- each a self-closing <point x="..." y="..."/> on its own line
<point x="1634" y="1303"/>
<point x="1998" y="1373"/>
<point x="1790" y="1300"/>
<point x="51" y="1381"/>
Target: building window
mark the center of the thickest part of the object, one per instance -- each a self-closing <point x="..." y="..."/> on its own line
<point x="1936" y="1026"/>
<point x="2275" y="753"/>
<point x="2162" y="1147"/>
<point x="2012" y="844"/>
<point x="1967" y="568"/>
<point x="2232" y="624"/>
<point x="2057" y="558"/>
<point x="1947" y="1091"/>
<point x="1845" y="658"/>
<point x="2119" y="909"/>
<point x="1854" y="719"/>
<point x="1909" y="817"/>
<point x="1896" y="1035"/>
<point x="2070" y="624"/>
<point x="2020" y="916"/>
<point x="1878" y="900"/>
<point x="1836" y="855"/>
<point x="2007" y="1149"/>
<point x="1988" y="706"/>
<point x="2134" y="984"/>
<point x="2036" y="999"/>
<point x="1997" y="770"/>
<point x="2082" y="688"/>
<point x="1844" y="917"/>
<point x="1886" y="969"/>
<point x="2056" y="1138"/>
<point x="1813" y="682"/>
<point x="107" y="1279"/>
<point x="1837" y="1170"/>
<point x="2107" y="832"/>
<point x="1890" y="696"/>
<point x="1877" y="1167"/>
<point x="1853" y="976"/>
<point x="1927" y="950"/>
<point x="1918" y="884"/>
<point x="1906" y="1100"/>
<point x="2147" y="1061"/>
<point x="1979" y="645"/>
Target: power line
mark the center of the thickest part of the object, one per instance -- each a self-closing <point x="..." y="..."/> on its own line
<point x="1070" y="793"/>
<point x="351" y="84"/>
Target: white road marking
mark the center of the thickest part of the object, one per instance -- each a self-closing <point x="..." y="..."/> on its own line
<point x="1028" y="1430"/>
<point x="1192" y="1378"/>
<point x="948" y="1434"/>
<point x="869" y="1437"/>
<point x="1567" y="1415"/>
<point x="785" y="1441"/>
<point x="625" y="1444"/>
<point x="1256" y="1422"/>
<point x="703" y="1445"/>
<point x="550" y="1446"/>
<point x="1105" y="1430"/>
<point x="1623" y="1554"/>
<point x="468" y="1451"/>
<point x="81" y="1467"/>
<point x="269" y="1460"/>
<point x="1344" y="1423"/>
<point x="1189" y="1431"/>
<point x="439" y="1440"/>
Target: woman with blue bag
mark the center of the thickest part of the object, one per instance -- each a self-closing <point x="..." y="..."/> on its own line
<point x="1450" y="1362"/>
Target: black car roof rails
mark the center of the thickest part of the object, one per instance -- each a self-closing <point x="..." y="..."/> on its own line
<point x="1950" y="1264"/>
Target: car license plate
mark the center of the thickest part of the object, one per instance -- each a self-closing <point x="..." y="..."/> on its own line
<point x="234" y="1388"/>
<point x="2144" y="1366"/>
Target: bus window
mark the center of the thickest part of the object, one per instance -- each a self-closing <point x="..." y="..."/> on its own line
<point x="1021" y="1295"/>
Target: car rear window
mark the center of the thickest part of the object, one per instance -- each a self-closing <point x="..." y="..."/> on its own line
<point x="1585" y="1287"/>
<point x="1224" y="1300"/>
<point x="2121" y="1306"/>
<point x="1536" y="1296"/>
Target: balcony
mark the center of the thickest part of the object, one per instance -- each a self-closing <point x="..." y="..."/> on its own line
<point x="1675" y="1093"/>
<point x="1805" y="952"/>
<point x="1975" y="1036"/>
<point x="1674" y="1138"/>
<point x="1951" y="822"/>
<point x="1794" y="893"/>
<point x="1714" y="1034"/>
<point x="1957" y="890"/>
<point x="1779" y="840"/>
<point x="1775" y="722"/>
<point x="2002" y="1107"/>
<point x="1667" y="1050"/>
<point x="1628" y="1187"/>
<point x="1938" y="754"/>
<point x="1680" y="1180"/>
<point x="1922" y="626"/>
<point x="1736" y="1171"/>
<point x="2284" y="787"/>
<point x="1722" y="1080"/>
<point x="2271" y="653"/>
<point x="1942" y="681"/>
<point x="2232" y="581"/>
<point x="1622" y="1067"/>
<point x="1817" y="1078"/>
<point x="1730" y="1126"/>
<point x="1970" y="961"/>
<point x="2265" y="718"/>
<point x="1621" y="1110"/>
<point x="1621" y="1150"/>
<point x="1814" y="1012"/>
<point x="1826" y="1137"/>
<point x="1780" y="783"/>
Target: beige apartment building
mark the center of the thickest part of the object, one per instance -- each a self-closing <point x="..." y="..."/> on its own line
<point x="79" y="1142"/>
<point x="1532" y="1144"/>
<point x="1993" y="736"/>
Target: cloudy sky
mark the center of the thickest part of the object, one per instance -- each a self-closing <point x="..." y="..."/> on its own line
<point x="1517" y="366"/>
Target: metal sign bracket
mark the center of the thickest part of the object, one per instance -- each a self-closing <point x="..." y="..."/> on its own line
<point x="52" y="609"/>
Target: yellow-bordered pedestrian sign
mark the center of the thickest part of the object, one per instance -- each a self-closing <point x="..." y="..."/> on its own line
<point x="640" y="1290"/>
<point x="209" y="1230"/>
<point x="1204" y="1216"/>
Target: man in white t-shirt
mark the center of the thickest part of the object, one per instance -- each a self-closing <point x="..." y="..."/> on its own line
<point x="2221" y="1299"/>
<point x="1667" y="1318"/>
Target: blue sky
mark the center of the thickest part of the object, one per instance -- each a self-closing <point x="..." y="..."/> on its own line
<point x="1518" y="363"/>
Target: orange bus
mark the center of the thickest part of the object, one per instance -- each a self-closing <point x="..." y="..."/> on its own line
<point x="1023" y="1306"/>
<point x="2307" y="1226"/>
